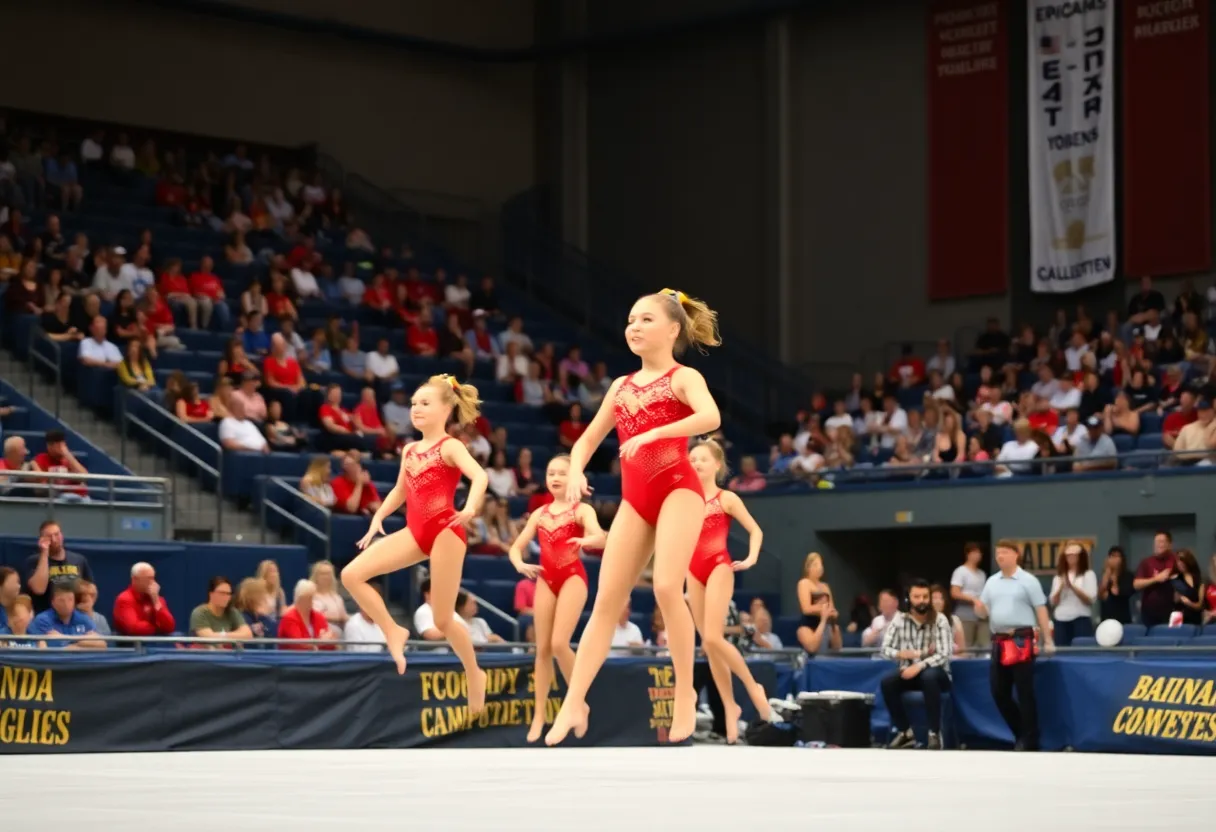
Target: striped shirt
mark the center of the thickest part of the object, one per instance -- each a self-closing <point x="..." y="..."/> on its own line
<point x="933" y="640"/>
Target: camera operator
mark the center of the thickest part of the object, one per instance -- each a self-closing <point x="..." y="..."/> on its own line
<point x="922" y="642"/>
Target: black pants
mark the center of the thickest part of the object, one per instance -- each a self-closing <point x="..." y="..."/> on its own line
<point x="932" y="681"/>
<point x="702" y="679"/>
<point x="1021" y="716"/>
<point x="1066" y="631"/>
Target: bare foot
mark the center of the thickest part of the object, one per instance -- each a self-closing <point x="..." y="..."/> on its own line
<point x="760" y="700"/>
<point x="538" y="726"/>
<point x="684" y="718"/>
<point x="733" y="714"/>
<point x="572" y="716"/>
<point x="477" y="691"/>
<point x="396" y="646"/>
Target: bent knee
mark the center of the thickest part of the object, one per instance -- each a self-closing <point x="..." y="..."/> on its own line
<point x="443" y="621"/>
<point x="669" y="591"/>
<point x="560" y="648"/>
<point x="351" y="578"/>
<point x="716" y="642"/>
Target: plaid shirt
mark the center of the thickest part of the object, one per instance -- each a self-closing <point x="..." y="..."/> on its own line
<point x="934" y="642"/>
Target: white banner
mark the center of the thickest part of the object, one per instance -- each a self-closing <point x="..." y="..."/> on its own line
<point x="1072" y="165"/>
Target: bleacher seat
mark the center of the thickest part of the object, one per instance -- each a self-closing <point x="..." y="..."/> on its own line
<point x="1181" y="631"/>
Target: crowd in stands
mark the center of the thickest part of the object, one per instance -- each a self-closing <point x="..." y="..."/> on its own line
<point x="1084" y="391"/>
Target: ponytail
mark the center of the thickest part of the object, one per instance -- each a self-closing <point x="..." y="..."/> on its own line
<point x="698" y="323"/>
<point x="462" y="398"/>
<point x="717" y="453"/>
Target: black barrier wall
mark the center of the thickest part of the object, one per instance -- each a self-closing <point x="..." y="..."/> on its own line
<point x="194" y="701"/>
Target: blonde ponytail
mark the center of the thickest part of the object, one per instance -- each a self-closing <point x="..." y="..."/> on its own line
<point x="462" y="398"/>
<point x="715" y="450"/>
<point x="698" y="323"/>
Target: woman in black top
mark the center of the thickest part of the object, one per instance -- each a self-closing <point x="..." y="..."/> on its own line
<point x="1188" y="588"/>
<point x="123" y="321"/>
<point x="1115" y="590"/>
<point x="1169" y="351"/>
<point x="1141" y="395"/>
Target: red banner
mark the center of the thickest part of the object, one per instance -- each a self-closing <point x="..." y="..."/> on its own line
<point x="968" y="133"/>
<point x="1167" y="194"/>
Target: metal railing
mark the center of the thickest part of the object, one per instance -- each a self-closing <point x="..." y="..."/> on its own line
<point x="54" y="490"/>
<point x="175" y="450"/>
<point x="984" y="652"/>
<point x="324" y="535"/>
<point x="39" y="336"/>
<point x="918" y="470"/>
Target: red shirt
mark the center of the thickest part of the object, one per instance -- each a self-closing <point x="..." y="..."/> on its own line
<point x="1047" y="420"/>
<point x="525" y="595"/>
<point x="206" y="284"/>
<point x="170" y="193"/>
<point x="298" y="255"/>
<point x="341" y="417"/>
<point x="419" y="339"/>
<point x="484" y="342"/>
<point x="343" y="488"/>
<point x="292" y="625"/>
<point x="911" y="367"/>
<point x="570" y="431"/>
<point x="1209" y="596"/>
<point x="1177" y="420"/>
<point x="278" y="305"/>
<point x="369" y="415"/>
<point x="483" y="425"/>
<point x="285" y="373"/>
<point x="160" y="314"/>
<point x="136" y="615"/>
<point x="200" y="409"/>
<point x="43" y="462"/>
<point x="174" y="284"/>
<point x="377" y="297"/>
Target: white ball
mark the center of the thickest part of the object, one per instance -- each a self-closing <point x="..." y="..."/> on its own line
<point x="1109" y="633"/>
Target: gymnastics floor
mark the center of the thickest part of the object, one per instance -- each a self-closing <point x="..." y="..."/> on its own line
<point x="632" y="789"/>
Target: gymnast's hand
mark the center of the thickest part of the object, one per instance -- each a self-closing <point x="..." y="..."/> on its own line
<point x="465" y="515"/>
<point x="576" y="487"/>
<point x="632" y="446"/>
<point x="377" y="527"/>
<point x="529" y="570"/>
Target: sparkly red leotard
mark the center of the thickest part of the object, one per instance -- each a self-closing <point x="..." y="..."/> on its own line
<point x="430" y="492"/>
<point x="661" y="467"/>
<point x="711" y="545"/>
<point x="559" y="558"/>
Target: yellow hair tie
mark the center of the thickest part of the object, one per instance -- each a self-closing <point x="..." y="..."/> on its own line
<point x="680" y="297"/>
<point x="452" y="381"/>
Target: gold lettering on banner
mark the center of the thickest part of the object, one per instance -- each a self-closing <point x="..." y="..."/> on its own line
<point x="23" y="720"/>
<point x="514" y="705"/>
<point x="1140" y="719"/>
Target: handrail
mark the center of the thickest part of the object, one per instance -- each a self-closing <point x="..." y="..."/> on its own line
<point x="216" y="470"/>
<point x="980" y="652"/>
<point x="37" y="358"/>
<point x="920" y="470"/>
<point x="325" y="536"/>
<point x="55" y="490"/>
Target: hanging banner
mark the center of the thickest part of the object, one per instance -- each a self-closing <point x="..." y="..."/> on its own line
<point x="968" y="138"/>
<point x="1167" y="185"/>
<point x="1072" y="169"/>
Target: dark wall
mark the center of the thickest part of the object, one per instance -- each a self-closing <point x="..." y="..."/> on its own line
<point x="859" y="174"/>
<point x="675" y="164"/>
<point x="402" y="120"/>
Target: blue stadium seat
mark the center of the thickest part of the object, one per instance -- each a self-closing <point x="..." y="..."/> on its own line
<point x="1124" y="443"/>
<point x="1150" y="422"/>
<point x="1131" y="632"/>
<point x="1182" y="631"/>
<point x="1084" y="641"/>
<point x="1150" y="442"/>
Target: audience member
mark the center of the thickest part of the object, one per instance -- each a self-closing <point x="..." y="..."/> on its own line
<point x="1116" y="588"/>
<point x="256" y="607"/>
<point x="479" y="630"/>
<point x="238" y="433"/>
<point x="1073" y="591"/>
<point x="208" y="292"/>
<point x="135" y="370"/>
<point x="354" y="491"/>
<point x="1095" y="451"/>
<point x="966" y="586"/>
<point x="218" y="617"/>
<point x="1154" y="581"/>
<point x="96" y="351"/>
<point x="86" y="600"/>
<point x="139" y="610"/>
<point x="57" y="459"/>
<point x="362" y="635"/>
<point x="1196" y="441"/>
<point x="397" y="412"/>
<point x="327" y="600"/>
<point x="921" y="641"/>
<point x="63" y="619"/>
<point x="888" y="608"/>
<point x="252" y="402"/>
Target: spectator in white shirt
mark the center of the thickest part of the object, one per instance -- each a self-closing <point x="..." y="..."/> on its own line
<point x="280" y="208"/>
<point x="939" y="389"/>
<point x="942" y="360"/>
<point x="91" y="151"/>
<point x="1095" y="450"/>
<point x="840" y="418"/>
<point x="396" y="412"/>
<point x="514" y="333"/>
<point x="1001" y="410"/>
<point x="1017" y="452"/>
<point x="512" y="363"/>
<point x="361" y="628"/>
<point x="456" y="295"/>
<point x="96" y="351"/>
<point x="305" y="281"/>
<point x="764" y="636"/>
<point x="626" y="635"/>
<point x="1152" y="326"/>
<point x="381" y="364"/>
<point x="888" y="608"/>
<point x="478" y="445"/>
<point x="479" y="629"/>
<point x="238" y="433"/>
<point x="894" y="421"/>
<point x="115" y="275"/>
<point x="806" y="464"/>
<point x="141" y="275"/>
<point x="122" y="155"/>
<point x="1069" y="433"/>
<point x="1067" y="397"/>
<point x="1047" y="386"/>
<point x="1076" y="351"/>
<point x="424" y="618"/>
<point x="1073" y="591"/>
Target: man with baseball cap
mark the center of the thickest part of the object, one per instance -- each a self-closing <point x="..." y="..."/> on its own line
<point x="1095" y="451"/>
<point x="1196" y="442"/>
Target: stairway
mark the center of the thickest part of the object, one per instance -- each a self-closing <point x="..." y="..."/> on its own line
<point x="195" y="510"/>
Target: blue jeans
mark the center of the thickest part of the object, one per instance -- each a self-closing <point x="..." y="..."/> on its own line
<point x="1066" y="631"/>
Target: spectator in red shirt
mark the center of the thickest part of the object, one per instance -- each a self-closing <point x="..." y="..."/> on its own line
<point x="302" y="621"/>
<point x="176" y="291"/>
<point x="1178" y="419"/>
<point x="909" y="370"/>
<point x="1153" y="581"/>
<point x="278" y="299"/>
<point x="572" y="428"/>
<point x="423" y="339"/>
<point x="525" y="596"/>
<point x="354" y="491"/>
<point x="338" y="432"/>
<point x="302" y="253"/>
<point x="209" y="292"/>
<point x="57" y="459"/>
<point x="139" y="610"/>
<point x="378" y="298"/>
<point x="160" y="320"/>
<point x="283" y="376"/>
<point x="368" y="422"/>
<point x="192" y="408"/>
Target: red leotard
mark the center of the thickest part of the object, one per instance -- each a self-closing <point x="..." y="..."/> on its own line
<point x="430" y="493"/>
<point x="661" y="467"/>
<point x="711" y="545"/>
<point x="559" y="558"/>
